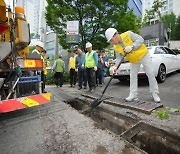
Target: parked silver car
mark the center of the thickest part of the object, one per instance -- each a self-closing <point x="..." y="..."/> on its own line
<point x="164" y="61"/>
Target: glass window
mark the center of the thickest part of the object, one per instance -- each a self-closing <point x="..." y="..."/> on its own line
<point x="159" y="50"/>
<point x="169" y="51"/>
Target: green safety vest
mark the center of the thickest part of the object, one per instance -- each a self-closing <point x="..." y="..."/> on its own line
<point x="59" y="65"/>
<point x="90" y="62"/>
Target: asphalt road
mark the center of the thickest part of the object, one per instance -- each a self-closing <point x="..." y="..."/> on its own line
<point x="57" y="128"/>
<point x="169" y="90"/>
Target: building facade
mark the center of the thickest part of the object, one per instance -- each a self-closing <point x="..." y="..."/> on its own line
<point x="169" y="6"/>
<point x="33" y="12"/>
<point x="136" y="5"/>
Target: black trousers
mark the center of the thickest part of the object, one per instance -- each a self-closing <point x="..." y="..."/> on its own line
<point x="91" y="77"/>
<point x="58" y="79"/>
<point x="73" y="77"/>
<point x="99" y="76"/>
<point x="43" y="79"/>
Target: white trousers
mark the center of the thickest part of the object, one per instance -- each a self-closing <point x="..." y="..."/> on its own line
<point x="134" y="68"/>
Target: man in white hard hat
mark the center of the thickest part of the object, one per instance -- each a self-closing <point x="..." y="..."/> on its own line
<point x="39" y="48"/>
<point x="137" y="53"/>
<point x="40" y="52"/>
<point x="91" y="62"/>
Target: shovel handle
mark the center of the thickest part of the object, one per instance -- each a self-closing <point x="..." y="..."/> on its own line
<point x="113" y="73"/>
<point x="98" y="101"/>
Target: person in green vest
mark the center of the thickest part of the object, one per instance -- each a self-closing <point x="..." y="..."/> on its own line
<point x="91" y="62"/>
<point x="59" y="68"/>
<point x="137" y="54"/>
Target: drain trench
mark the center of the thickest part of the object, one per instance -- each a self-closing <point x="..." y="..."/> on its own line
<point x="146" y="137"/>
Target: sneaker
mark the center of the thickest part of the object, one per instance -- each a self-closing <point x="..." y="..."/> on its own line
<point x="100" y="85"/>
<point x="84" y="87"/>
<point x="156" y="97"/>
<point x="131" y="98"/>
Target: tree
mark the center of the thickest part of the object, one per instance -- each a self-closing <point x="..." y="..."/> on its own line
<point x="153" y="13"/>
<point x="170" y="23"/>
<point x="32" y="35"/>
<point x="177" y="29"/>
<point x="94" y="18"/>
<point x="157" y="5"/>
<point x="31" y="48"/>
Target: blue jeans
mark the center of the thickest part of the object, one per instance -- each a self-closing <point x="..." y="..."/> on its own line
<point x="104" y="70"/>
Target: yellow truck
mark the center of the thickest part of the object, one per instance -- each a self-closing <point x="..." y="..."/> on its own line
<point x="20" y="80"/>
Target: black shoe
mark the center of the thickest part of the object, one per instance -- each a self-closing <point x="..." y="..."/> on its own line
<point x="79" y="88"/>
<point x="84" y="87"/>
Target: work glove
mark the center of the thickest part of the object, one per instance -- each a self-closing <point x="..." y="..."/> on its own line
<point x="95" y="68"/>
<point x="76" y="70"/>
<point x="128" y="49"/>
<point x="82" y="66"/>
<point x="115" y="70"/>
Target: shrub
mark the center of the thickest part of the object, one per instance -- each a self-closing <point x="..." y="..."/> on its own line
<point x="50" y="77"/>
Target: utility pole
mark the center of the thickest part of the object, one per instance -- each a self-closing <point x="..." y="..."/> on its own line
<point x="169" y="31"/>
<point x="56" y="45"/>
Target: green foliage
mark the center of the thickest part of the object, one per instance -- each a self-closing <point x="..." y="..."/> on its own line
<point x="34" y="36"/>
<point x="161" y="114"/>
<point x="173" y="109"/>
<point x="154" y="12"/>
<point x="31" y="48"/>
<point x="177" y="29"/>
<point x="170" y="22"/>
<point x="66" y="76"/>
<point x="50" y="77"/>
<point x="94" y="18"/>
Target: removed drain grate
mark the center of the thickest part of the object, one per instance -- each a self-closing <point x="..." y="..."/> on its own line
<point x="153" y="140"/>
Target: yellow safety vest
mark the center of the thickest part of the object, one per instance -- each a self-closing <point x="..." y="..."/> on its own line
<point x="72" y="62"/>
<point x="134" y="56"/>
<point x="90" y="62"/>
<point x="46" y="64"/>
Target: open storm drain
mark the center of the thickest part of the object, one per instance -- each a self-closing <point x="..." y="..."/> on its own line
<point x="146" y="137"/>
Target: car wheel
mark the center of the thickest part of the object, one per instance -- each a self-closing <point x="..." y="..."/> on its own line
<point x="161" y="74"/>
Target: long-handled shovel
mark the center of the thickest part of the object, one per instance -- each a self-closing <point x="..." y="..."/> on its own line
<point x="98" y="101"/>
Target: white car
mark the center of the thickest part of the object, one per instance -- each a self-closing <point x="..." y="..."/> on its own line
<point x="164" y="61"/>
